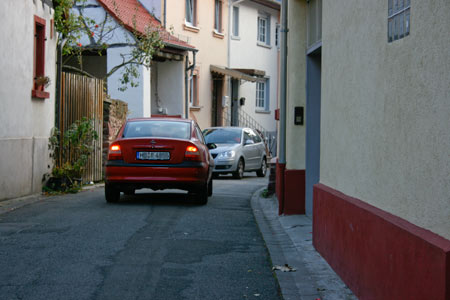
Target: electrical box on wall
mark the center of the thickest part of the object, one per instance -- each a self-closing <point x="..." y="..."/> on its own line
<point x="298" y="115"/>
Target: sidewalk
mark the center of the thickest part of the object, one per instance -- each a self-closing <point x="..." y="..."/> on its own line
<point x="289" y="240"/>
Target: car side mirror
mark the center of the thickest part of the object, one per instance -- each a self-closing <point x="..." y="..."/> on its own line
<point x="211" y="146"/>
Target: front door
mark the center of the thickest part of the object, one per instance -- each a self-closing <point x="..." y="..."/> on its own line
<point x="234" y="102"/>
<point x="217" y="101"/>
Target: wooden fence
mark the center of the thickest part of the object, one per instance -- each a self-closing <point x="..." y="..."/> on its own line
<point x="82" y="96"/>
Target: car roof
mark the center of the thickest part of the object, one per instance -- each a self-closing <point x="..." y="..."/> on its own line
<point x="227" y="127"/>
<point x="161" y="119"/>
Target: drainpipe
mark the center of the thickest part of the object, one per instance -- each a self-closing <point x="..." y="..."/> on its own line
<point x="165" y="14"/>
<point x="186" y="81"/>
<point x="281" y="165"/>
<point x="58" y="84"/>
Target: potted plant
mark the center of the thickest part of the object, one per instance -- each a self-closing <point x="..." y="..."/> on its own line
<point x="42" y="82"/>
<point x="70" y="153"/>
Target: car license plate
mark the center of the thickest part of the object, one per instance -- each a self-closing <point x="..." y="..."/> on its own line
<point x="152" y="155"/>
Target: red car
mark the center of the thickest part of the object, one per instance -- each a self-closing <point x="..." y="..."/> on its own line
<point x="159" y="153"/>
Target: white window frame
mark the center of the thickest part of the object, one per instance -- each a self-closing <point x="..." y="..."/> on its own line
<point x="263" y="31"/>
<point x="190" y="14"/>
<point x="262" y="95"/>
<point x="399" y="16"/>
<point x="236" y="21"/>
<point x="218" y="16"/>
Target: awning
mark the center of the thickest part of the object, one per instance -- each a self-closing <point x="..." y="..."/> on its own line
<point x="236" y="74"/>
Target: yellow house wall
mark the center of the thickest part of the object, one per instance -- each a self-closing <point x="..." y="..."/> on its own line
<point x="385" y="124"/>
<point x="296" y="82"/>
<point x="212" y="50"/>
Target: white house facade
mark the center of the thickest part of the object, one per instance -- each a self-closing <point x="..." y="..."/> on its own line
<point x="253" y="49"/>
<point x="27" y="108"/>
<point x="160" y="89"/>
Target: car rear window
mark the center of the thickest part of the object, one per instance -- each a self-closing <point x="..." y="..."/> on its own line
<point x="161" y="129"/>
<point x="223" y="135"/>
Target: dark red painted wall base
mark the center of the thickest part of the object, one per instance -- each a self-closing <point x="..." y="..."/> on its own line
<point x="290" y="190"/>
<point x="294" y="192"/>
<point x="378" y="255"/>
<point x="279" y="186"/>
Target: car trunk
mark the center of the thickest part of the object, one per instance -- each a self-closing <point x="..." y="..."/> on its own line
<point x="153" y="150"/>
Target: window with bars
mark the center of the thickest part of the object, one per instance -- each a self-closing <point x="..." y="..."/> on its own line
<point x="264" y="29"/>
<point x="191" y="12"/>
<point x="277" y="36"/>
<point x="218" y="16"/>
<point x="399" y="12"/>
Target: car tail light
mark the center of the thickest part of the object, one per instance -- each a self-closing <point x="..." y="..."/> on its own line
<point x="114" y="152"/>
<point x="192" y="153"/>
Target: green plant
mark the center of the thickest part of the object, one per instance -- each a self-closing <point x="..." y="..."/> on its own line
<point x="70" y="153"/>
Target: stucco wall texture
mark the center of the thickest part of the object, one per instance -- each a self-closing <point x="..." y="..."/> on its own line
<point x="385" y="127"/>
<point x="25" y="122"/>
<point x="296" y="82"/>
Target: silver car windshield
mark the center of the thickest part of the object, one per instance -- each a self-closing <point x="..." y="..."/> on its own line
<point x="161" y="129"/>
<point x="223" y="135"/>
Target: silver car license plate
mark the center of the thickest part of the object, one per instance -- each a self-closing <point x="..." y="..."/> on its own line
<point x="152" y="155"/>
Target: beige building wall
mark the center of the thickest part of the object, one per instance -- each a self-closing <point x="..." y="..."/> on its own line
<point x="25" y="122"/>
<point x="385" y="124"/>
<point x="296" y="84"/>
<point x="212" y="48"/>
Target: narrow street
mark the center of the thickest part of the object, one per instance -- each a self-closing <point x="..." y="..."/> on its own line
<point x="148" y="246"/>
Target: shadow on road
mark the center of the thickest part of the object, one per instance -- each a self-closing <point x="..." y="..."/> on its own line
<point x="146" y="197"/>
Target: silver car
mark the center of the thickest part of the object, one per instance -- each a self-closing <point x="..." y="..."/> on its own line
<point x="238" y="150"/>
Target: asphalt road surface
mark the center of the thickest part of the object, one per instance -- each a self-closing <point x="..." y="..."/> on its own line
<point x="148" y="246"/>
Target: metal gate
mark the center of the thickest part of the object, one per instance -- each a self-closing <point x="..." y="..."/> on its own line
<point x="82" y="96"/>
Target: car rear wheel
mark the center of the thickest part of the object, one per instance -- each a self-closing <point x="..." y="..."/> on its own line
<point x="239" y="173"/>
<point x="263" y="170"/>
<point x="210" y="187"/>
<point x="200" y="196"/>
<point x="112" y="194"/>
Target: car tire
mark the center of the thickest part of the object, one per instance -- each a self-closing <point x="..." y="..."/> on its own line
<point x="239" y="173"/>
<point x="263" y="170"/>
<point x="112" y="194"/>
<point x="210" y="188"/>
<point x="200" y="195"/>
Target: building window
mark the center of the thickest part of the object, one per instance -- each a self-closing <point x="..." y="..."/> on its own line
<point x="262" y="95"/>
<point x="39" y="79"/>
<point x="218" y="16"/>
<point x="191" y="12"/>
<point x="399" y="12"/>
<point x="277" y="36"/>
<point x="193" y="90"/>
<point x="235" y="21"/>
<point x="264" y="29"/>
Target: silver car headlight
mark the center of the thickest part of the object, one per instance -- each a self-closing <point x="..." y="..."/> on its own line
<point x="227" y="155"/>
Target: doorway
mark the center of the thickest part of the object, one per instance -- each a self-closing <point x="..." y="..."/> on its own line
<point x="216" y="119"/>
<point x="313" y="96"/>
<point x="234" y="120"/>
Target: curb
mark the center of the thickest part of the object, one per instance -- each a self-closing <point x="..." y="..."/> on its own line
<point x="293" y="285"/>
<point x="15" y="203"/>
